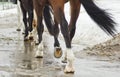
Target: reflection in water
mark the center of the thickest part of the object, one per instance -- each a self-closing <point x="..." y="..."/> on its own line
<point x="25" y="62"/>
<point x="28" y="60"/>
<point x="26" y="65"/>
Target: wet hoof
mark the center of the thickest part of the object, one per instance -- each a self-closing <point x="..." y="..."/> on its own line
<point x="26" y="39"/>
<point x="38" y="56"/>
<point x="18" y="29"/>
<point x="31" y="38"/>
<point x="69" y="70"/>
<point x="36" y="43"/>
<point x="23" y="33"/>
<point x="64" y="60"/>
<point x="58" y="52"/>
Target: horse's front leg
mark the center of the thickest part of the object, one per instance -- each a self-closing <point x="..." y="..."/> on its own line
<point x="75" y="9"/>
<point x="60" y="17"/>
<point x="53" y="29"/>
<point x="69" y="55"/>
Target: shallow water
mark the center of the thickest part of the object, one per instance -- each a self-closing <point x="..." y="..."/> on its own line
<point x="17" y="57"/>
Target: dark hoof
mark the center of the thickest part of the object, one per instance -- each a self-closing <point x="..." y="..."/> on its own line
<point x="39" y="57"/>
<point x="64" y="61"/>
<point x="18" y="29"/>
<point x="36" y="43"/>
<point x="70" y="72"/>
<point x="31" y="38"/>
<point x="26" y="39"/>
<point x="58" y="52"/>
<point x="23" y="32"/>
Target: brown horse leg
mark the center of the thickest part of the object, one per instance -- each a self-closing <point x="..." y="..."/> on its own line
<point x="57" y="48"/>
<point x="39" y="5"/>
<point x="58" y="8"/>
<point x="25" y="21"/>
<point x="75" y="9"/>
<point x="53" y="29"/>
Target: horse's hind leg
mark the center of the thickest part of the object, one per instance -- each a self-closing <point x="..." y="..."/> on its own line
<point x="25" y="21"/>
<point x="75" y="8"/>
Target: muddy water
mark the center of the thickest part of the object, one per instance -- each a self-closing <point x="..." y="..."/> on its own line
<point x="17" y="57"/>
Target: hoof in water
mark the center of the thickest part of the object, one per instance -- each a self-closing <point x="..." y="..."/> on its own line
<point x="39" y="55"/>
<point x="18" y="29"/>
<point x="64" y="60"/>
<point x="31" y="38"/>
<point x="58" y="52"/>
<point x="23" y="33"/>
<point x="36" y="43"/>
<point x="26" y="39"/>
<point x="69" y="70"/>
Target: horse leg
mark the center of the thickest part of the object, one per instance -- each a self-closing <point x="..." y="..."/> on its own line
<point x="57" y="48"/>
<point x="30" y="19"/>
<point x="75" y="9"/>
<point x="60" y="17"/>
<point x="25" y="21"/>
<point x="40" y="27"/>
<point x="53" y="29"/>
<point x="19" y="13"/>
<point x="68" y="54"/>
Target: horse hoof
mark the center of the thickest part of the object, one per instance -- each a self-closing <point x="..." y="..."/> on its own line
<point x="26" y="39"/>
<point x="18" y="29"/>
<point x="58" y="52"/>
<point x="23" y="33"/>
<point x="72" y="72"/>
<point x="38" y="56"/>
<point x="36" y="43"/>
<point x="64" y="60"/>
<point x="31" y="38"/>
<point x="69" y="69"/>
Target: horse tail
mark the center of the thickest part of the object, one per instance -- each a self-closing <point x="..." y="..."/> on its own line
<point x="48" y="19"/>
<point x="100" y="16"/>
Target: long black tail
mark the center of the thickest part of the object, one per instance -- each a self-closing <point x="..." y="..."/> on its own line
<point x="100" y="16"/>
<point x="48" y="19"/>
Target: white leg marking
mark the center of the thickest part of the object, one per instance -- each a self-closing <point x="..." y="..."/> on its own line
<point x="34" y="34"/>
<point x="64" y="59"/>
<point x="70" y="59"/>
<point x="39" y="52"/>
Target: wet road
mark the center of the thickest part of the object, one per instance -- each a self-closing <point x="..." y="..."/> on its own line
<point x="17" y="57"/>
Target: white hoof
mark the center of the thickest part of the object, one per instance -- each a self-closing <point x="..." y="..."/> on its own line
<point x="39" y="52"/>
<point x="70" y="59"/>
<point x="64" y="60"/>
<point x="69" y="69"/>
<point x="30" y="36"/>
